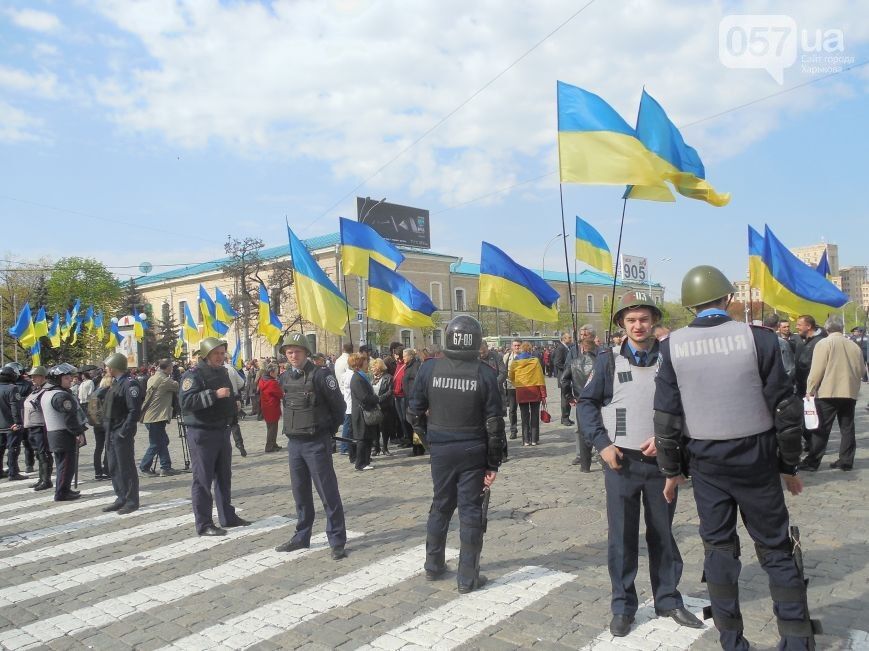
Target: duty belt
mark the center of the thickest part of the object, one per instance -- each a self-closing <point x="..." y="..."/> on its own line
<point x="636" y="455"/>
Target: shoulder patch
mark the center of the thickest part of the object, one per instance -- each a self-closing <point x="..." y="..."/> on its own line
<point x="331" y="382"/>
<point x="67" y="405"/>
<point x="134" y="391"/>
<point x="186" y="384"/>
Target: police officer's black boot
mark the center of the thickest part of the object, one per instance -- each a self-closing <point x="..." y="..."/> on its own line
<point x="239" y="442"/>
<point x="435" y="557"/>
<point x="468" y="575"/>
<point x="29" y="457"/>
<point x="43" y="476"/>
<point x="49" y="468"/>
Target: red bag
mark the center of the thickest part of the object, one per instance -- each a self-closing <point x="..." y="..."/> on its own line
<point x="545" y="416"/>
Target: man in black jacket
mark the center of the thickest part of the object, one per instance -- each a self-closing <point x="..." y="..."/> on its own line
<point x="11" y="420"/>
<point x="560" y="359"/>
<point x="121" y="417"/>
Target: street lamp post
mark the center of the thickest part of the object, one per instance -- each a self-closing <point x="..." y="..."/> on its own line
<point x="363" y="330"/>
<point x="543" y="268"/>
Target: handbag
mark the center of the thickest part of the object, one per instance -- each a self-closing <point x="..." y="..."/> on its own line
<point x="545" y="416"/>
<point x="373" y="416"/>
<point x="810" y="413"/>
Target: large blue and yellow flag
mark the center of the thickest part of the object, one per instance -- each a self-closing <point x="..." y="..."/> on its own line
<point x="394" y="299"/>
<point x="191" y="330"/>
<point x="510" y="286"/>
<point x="36" y="355"/>
<point x="40" y="324"/>
<point x="595" y="145"/>
<point x="675" y="161"/>
<point x="224" y="311"/>
<point x="755" y="260"/>
<point x="98" y="326"/>
<point x="359" y="242"/>
<point x="88" y="320"/>
<point x="237" y="361"/>
<point x="591" y="248"/>
<point x="23" y="330"/>
<point x="139" y="327"/>
<point x="319" y="300"/>
<point x="179" y="345"/>
<point x="791" y="286"/>
<point x="54" y="331"/>
<point x="211" y="326"/>
<point x="823" y="267"/>
<point x="114" y="339"/>
<point x="270" y="325"/>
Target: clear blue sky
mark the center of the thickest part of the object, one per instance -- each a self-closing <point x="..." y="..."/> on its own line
<point x="136" y="132"/>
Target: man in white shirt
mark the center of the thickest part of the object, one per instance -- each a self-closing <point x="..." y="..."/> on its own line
<point x="341" y="362"/>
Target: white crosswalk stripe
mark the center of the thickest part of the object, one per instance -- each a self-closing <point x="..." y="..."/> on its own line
<point x="96" y="571"/>
<point x="469" y="615"/>
<point x="652" y="633"/>
<point x="26" y="537"/>
<point x="858" y="640"/>
<point x="269" y="620"/>
<point x="63" y="507"/>
<point x="94" y="542"/>
<point x="120" y="608"/>
<point x="47" y="498"/>
<point x="21" y="490"/>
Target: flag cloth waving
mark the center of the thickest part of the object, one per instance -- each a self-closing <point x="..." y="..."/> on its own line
<point x="23" y="330"/>
<point x="394" y="299"/>
<point x="40" y="324"/>
<point x="591" y="248"/>
<point x="755" y="260"/>
<point x="237" y="361"/>
<point x="179" y="345"/>
<point x="191" y="330"/>
<point x="270" y="326"/>
<point x="54" y="331"/>
<point x="224" y="311"/>
<point x="139" y="327"/>
<point x="318" y="299"/>
<point x="823" y="267"/>
<point x="211" y="327"/>
<point x="115" y="337"/>
<point x="509" y="286"/>
<point x="359" y="242"/>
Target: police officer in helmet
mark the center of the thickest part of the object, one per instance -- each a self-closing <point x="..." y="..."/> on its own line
<point x="722" y="396"/>
<point x="34" y="421"/>
<point x="616" y="413"/>
<point x="65" y="425"/>
<point x="121" y="417"/>
<point x="208" y="404"/>
<point x="456" y="405"/>
<point x="11" y="419"/>
<point x="313" y="410"/>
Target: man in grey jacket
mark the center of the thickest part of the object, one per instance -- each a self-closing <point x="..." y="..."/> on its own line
<point x="157" y="410"/>
<point x="572" y="380"/>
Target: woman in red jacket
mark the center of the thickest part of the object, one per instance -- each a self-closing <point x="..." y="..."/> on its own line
<point x="271" y="395"/>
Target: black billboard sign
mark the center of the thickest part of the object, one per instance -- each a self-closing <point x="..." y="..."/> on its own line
<point x="395" y="223"/>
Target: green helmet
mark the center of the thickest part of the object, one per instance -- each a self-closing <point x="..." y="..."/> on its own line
<point x="705" y="284"/>
<point x="632" y="300"/>
<point x="208" y="344"/>
<point x="296" y="339"/>
<point x="116" y="361"/>
<point x="37" y="370"/>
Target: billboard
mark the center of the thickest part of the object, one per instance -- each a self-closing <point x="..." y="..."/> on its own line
<point x="395" y="223"/>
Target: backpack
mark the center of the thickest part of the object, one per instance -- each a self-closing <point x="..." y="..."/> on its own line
<point x="96" y="410"/>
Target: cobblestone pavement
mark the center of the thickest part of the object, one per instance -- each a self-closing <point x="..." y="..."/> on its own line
<point x="73" y="577"/>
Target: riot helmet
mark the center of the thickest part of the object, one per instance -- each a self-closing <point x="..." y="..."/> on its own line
<point x="117" y="362"/>
<point x="208" y="344"/>
<point x="463" y="336"/>
<point x="634" y="300"/>
<point x="9" y="372"/>
<point x="56" y="372"/>
<point x="705" y="284"/>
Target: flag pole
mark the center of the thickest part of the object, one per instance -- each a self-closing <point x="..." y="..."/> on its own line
<point x="615" y="271"/>
<point x="570" y="297"/>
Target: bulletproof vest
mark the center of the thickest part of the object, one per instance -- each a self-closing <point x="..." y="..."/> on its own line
<point x="32" y="411"/>
<point x="455" y="399"/>
<point x="628" y="417"/>
<point x="300" y="402"/>
<point x="55" y="421"/>
<point x="722" y="393"/>
<point x="223" y="411"/>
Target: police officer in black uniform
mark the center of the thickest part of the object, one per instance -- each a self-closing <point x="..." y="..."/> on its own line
<point x="121" y="417"/>
<point x="456" y="405"/>
<point x="313" y="411"/>
<point x="65" y="425"/>
<point x="11" y="419"/>
<point x="34" y="422"/>
<point x="209" y="407"/>
<point x="723" y="396"/>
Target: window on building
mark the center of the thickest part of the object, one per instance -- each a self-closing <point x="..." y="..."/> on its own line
<point x="436" y="338"/>
<point x="181" y="305"/>
<point x="312" y="340"/>
<point x="657" y="300"/>
<point x="460" y="300"/>
<point x="436" y="293"/>
<point x="406" y="338"/>
<point x="589" y="303"/>
<point x="275" y="300"/>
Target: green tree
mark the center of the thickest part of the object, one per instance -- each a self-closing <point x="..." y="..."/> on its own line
<point x="674" y="315"/>
<point x="166" y="335"/>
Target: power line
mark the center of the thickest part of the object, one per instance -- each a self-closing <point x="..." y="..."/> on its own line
<point x="437" y="124"/>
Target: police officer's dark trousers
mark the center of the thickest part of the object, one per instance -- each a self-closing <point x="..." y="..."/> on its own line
<point x="512" y="406"/>
<point x="13" y="448"/>
<point x="743" y="474"/>
<point x="638" y="484"/>
<point x="457" y="471"/>
<point x="122" y="467"/>
<point x="310" y="459"/>
<point x="62" y="444"/>
<point x="211" y="464"/>
<point x="39" y="443"/>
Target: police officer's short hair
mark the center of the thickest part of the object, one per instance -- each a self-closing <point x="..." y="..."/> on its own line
<point x="834" y="323"/>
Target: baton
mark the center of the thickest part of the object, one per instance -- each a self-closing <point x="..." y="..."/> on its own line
<point x="487" y="493"/>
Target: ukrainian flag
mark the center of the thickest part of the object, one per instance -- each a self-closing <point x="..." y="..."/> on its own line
<point x="823" y="267"/>
<point x="89" y="318"/>
<point x="211" y="326"/>
<point x="237" y="361"/>
<point x="179" y="345"/>
<point x="269" y="326"/>
<point x="675" y="160"/>
<point x="115" y="337"/>
<point x="394" y="299"/>
<point x="36" y="355"/>
<point x="595" y="145"/>
<point x="509" y="286"/>
<point x="359" y="242"/>
<point x="76" y="332"/>
<point x="591" y="248"/>
<point x="223" y="308"/>
<point x="755" y="260"/>
<point x="54" y="331"/>
<point x="319" y="300"/>
<point x="98" y="326"/>
<point x="40" y="325"/>
<point x="23" y="330"/>
<point x="191" y="330"/>
<point x="791" y="286"/>
<point x="139" y="327"/>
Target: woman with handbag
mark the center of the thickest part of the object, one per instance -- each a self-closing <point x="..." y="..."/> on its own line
<point x="382" y="384"/>
<point x="365" y="414"/>
<point x="526" y="374"/>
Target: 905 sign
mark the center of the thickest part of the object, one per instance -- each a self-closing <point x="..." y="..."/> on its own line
<point x="634" y="269"/>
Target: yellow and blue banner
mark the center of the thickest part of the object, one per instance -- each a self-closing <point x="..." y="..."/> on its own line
<point x="237" y="361"/>
<point x="823" y="267"/>
<point x="98" y="326"/>
<point x="23" y="330"/>
<point x="224" y="311"/>
<point x="114" y="339"/>
<point x="88" y="320"/>
<point x="674" y="159"/>
<point x="509" y="286"/>
<point x="755" y="260"/>
<point x="318" y="299"/>
<point x="76" y="331"/>
<point x="36" y="354"/>
<point x="791" y="286"/>
<point x="139" y="327"/>
<point x="359" y="243"/>
<point x="211" y="326"/>
<point x="40" y="324"/>
<point x="394" y="299"/>
<point x="591" y="248"/>
<point x="270" y="325"/>
<point x="54" y="331"/>
<point x="179" y="344"/>
<point x="595" y="145"/>
<point x="191" y="330"/>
